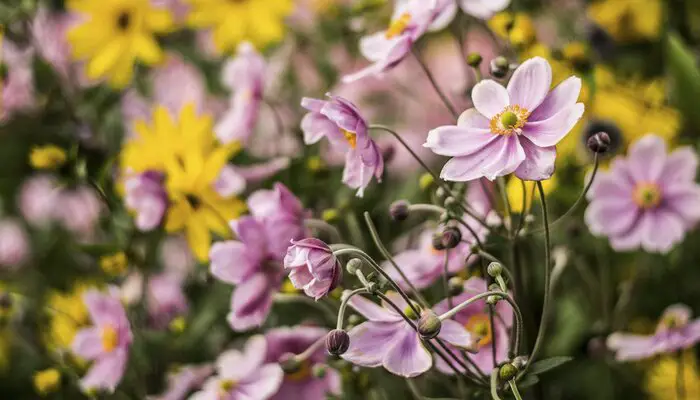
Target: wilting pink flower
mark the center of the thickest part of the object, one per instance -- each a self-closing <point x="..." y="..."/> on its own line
<point x="510" y="130"/>
<point x="475" y="318"/>
<point x="341" y="122"/>
<point x="314" y="267"/>
<point x="37" y="199"/>
<point x="386" y="49"/>
<point x="106" y="342"/>
<point x="78" y="210"/>
<point x="146" y="196"/>
<point x="386" y="339"/>
<point x="302" y="384"/>
<point x="184" y="380"/>
<point x="244" y="75"/>
<point x="14" y="244"/>
<point x="166" y="299"/>
<point x="648" y="200"/>
<point x="282" y="215"/>
<point x="245" y="375"/>
<point x="674" y="332"/>
<point x="17" y="87"/>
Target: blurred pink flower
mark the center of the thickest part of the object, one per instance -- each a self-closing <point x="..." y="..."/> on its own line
<point x="106" y="343"/>
<point x="166" y="299"/>
<point x="184" y="380"/>
<point x="245" y="375"/>
<point x="176" y="256"/>
<point x="37" y="200"/>
<point x="49" y="34"/>
<point x="17" y="87"/>
<point x="146" y="196"/>
<point x="648" y="200"/>
<point x="79" y="210"/>
<point x="14" y="244"/>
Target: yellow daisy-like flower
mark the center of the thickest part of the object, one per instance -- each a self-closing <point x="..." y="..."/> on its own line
<point x="67" y="314"/>
<point x="662" y="379"/>
<point x="47" y="157"/>
<point x="186" y="151"/>
<point x="47" y="381"/>
<point x="260" y="22"/>
<point x="517" y="28"/>
<point x="628" y="20"/>
<point x="116" y="34"/>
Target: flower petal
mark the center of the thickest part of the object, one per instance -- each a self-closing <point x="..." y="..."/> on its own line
<point x="681" y="166"/>
<point x="370" y="310"/>
<point x="506" y="160"/>
<point x="561" y="97"/>
<point x="462" y="169"/>
<point x="490" y="98"/>
<point x="370" y="341"/>
<point x="87" y="343"/>
<point x="530" y="83"/>
<point x="454" y="333"/>
<point x="539" y="162"/>
<point x="455" y="141"/>
<point x="647" y="158"/>
<point x="407" y="357"/>
<point x="550" y="131"/>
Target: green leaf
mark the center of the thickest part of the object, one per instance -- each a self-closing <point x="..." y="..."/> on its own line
<point x="545" y="365"/>
<point x="528" y="381"/>
<point x="685" y="79"/>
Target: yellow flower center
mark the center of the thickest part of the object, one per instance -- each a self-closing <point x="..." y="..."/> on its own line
<point x="647" y="195"/>
<point x="301" y="373"/>
<point x="479" y="325"/>
<point x="672" y="322"/>
<point x="110" y="338"/>
<point x="227" y="385"/>
<point x="510" y="120"/>
<point x="351" y="137"/>
<point x="398" y="26"/>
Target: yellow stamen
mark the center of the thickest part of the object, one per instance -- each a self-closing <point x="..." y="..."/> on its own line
<point x="509" y="121"/>
<point x="398" y="26"/>
<point x="480" y="326"/>
<point x="351" y="137"/>
<point x="647" y="195"/>
<point x="227" y="385"/>
<point x="110" y="338"/>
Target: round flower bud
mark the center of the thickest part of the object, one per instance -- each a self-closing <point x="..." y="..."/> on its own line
<point x="474" y="60"/>
<point x="437" y="243"/>
<point x="410" y="312"/>
<point x="399" y="210"/>
<point x="289" y="363"/>
<point x="493" y="299"/>
<point x="319" y="370"/>
<point x="495" y="269"/>
<point x="429" y="325"/>
<point x="426" y="180"/>
<point x="330" y="215"/>
<point x="440" y="192"/>
<point x="353" y="266"/>
<point x="499" y="67"/>
<point x="451" y="237"/>
<point x="599" y="142"/>
<point x="507" y="372"/>
<point x="455" y="285"/>
<point x="337" y="342"/>
<point x="519" y="362"/>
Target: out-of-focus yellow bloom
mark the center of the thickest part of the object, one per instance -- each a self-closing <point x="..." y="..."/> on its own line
<point x="47" y="381"/>
<point x="67" y="314"/>
<point x="115" y="34"/>
<point x="47" y="157"/>
<point x="628" y="20"/>
<point x="260" y="22"/>
<point x="663" y="377"/>
<point x="517" y="28"/>
<point x="114" y="264"/>
<point x="178" y="325"/>
<point x="515" y="192"/>
<point x="186" y="151"/>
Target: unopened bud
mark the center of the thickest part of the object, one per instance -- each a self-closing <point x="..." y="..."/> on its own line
<point x="437" y="243"/>
<point x="450" y="202"/>
<point x="319" y="370"/>
<point x="495" y="269"/>
<point x="429" y="325"/>
<point x="289" y="363"/>
<point x="440" y="193"/>
<point x="474" y="60"/>
<point x="499" y="67"/>
<point x="354" y="319"/>
<point x="411" y="311"/>
<point x="330" y="215"/>
<point x="519" y="362"/>
<point x="426" y="180"/>
<point x="399" y="210"/>
<point x="353" y="266"/>
<point x="455" y="285"/>
<point x="507" y="372"/>
<point x="451" y="237"/>
<point x="599" y="143"/>
<point x="337" y="342"/>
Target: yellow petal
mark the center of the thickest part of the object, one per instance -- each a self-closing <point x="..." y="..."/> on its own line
<point x="106" y="59"/>
<point x="178" y="213"/>
<point x="160" y="21"/>
<point x="147" y="49"/>
<point x="198" y="237"/>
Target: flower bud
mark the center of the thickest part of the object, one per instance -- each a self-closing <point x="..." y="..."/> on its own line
<point x="499" y="67"/>
<point x="507" y="372"/>
<point x="495" y="269"/>
<point x="440" y="192"/>
<point x="337" y="342"/>
<point x="426" y="180"/>
<point x="493" y="299"/>
<point x="353" y="266"/>
<point x="429" y="325"/>
<point x="330" y="215"/>
<point x="289" y="363"/>
<point x="319" y="370"/>
<point x="474" y="60"/>
<point x="599" y="142"/>
<point x="399" y="210"/>
<point x="437" y="243"/>
<point x="519" y="362"/>
<point x="455" y="285"/>
<point x="354" y="319"/>
<point x="451" y="237"/>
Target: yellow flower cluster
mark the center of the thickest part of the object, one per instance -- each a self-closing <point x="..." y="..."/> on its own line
<point x="47" y="381"/>
<point x="114" y="264"/>
<point x="628" y="20"/>
<point x="662" y="379"/>
<point x="67" y="314"/>
<point x="187" y="153"/>
<point x="47" y="157"/>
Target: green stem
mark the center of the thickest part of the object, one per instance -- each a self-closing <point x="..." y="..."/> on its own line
<point x="445" y="281"/>
<point x="514" y="389"/>
<point x="494" y="384"/>
<point x="507" y="221"/>
<point x="414" y="390"/>
<point x="426" y="208"/>
<point x="439" y="92"/>
<point x="344" y="305"/>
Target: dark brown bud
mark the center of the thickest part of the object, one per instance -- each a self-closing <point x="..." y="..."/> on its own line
<point x="337" y="342"/>
<point x="451" y="237"/>
<point x="599" y="143"/>
<point x="399" y="210"/>
<point x="429" y="325"/>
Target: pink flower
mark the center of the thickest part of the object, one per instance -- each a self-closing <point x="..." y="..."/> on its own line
<point x="475" y="318"/>
<point x="674" y="332"/>
<point x="166" y="299"/>
<point x="648" y="200"/>
<point x="17" y="87"/>
<point x="49" y="33"/>
<point x="106" y="342"/>
<point x="181" y="382"/>
<point x="386" y="49"/>
<point x="245" y="77"/>
<point x="245" y="375"/>
<point x="176" y="257"/>
<point x="510" y="130"/>
<point x="37" y="199"/>
<point x="14" y="244"/>
<point x="146" y="196"/>
<point x="282" y="215"/>
<point x="302" y="384"/>
<point x="78" y="210"/>
<point x="341" y="122"/>
<point x="314" y="267"/>
<point x="386" y="339"/>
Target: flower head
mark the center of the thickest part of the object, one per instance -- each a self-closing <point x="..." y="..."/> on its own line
<point x="341" y="122"/>
<point x="313" y="267"/>
<point x="475" y="319"/>
<point x="106" y="342"/>
<point x="183" y="380"/>
<point x="513" y="129"/>
<point x="78" y="210"/>
<point x="648" y="200"/>
<point x="47" y="157"/>
<point x="675" y="331"/>
<point x="46" y="381"/>
<point x="243" y="375"/>
<point x="115" y="34"/>
<point x="16" y="78"/>
<point x="146" y="196"/>
<point x="386" y="339"/>
<point x="14" y="244"/>
<point x="166" y="299"/>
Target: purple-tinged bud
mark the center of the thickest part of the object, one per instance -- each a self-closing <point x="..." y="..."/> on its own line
<point x="451" y="237"/>
<point x="437" y="243"/>
<point x="315" y="269"/>
<point x="399" y="210"/>
<point x="429" y="325"/>
<point x="337" y="342"/>
<point x="599" y="143"/>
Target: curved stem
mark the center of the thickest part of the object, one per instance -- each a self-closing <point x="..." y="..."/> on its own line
<point x="414" y="390"/>
<point x="431" y="78"/>
<point x="445" y="282"/>
<point x="311" y="349"/>
<point x="547" y="277"/>
<point x="290" y="298"/>
<point x="321" y="225"/>
<point x="426" y="208"/>
<point x="344" y="305"/>
<point x="375" y="237"/>
<point x="494" y="384"/>
<point x="514" y="389"/>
